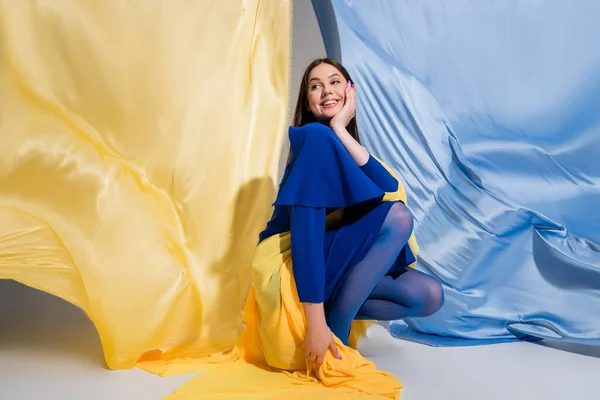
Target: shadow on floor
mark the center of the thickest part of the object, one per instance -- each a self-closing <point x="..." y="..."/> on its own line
<point x="40" y="323"/>
<point x="582" y="349"/>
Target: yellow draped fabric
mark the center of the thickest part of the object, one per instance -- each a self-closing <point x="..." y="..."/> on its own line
<point x="268" y="361"/>
<point x="139" y="145"/>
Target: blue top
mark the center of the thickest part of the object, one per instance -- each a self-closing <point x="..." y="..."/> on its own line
<point x="320" y="177"/>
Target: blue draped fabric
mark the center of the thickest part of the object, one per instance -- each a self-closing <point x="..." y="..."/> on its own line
<point x="490" y="113"/>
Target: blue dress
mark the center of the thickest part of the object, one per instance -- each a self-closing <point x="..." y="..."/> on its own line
<point x="320" y="178"/>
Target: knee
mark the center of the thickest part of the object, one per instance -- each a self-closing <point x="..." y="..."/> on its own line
<point x="399" y="220"/>
<point x="432" y="298"/>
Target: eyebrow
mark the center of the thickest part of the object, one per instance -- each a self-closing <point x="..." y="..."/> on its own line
<point x="315" y="78"/>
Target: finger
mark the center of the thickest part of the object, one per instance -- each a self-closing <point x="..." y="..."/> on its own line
<point x="349" y="93"/>
<point x="318" y="362"/>
<point x="309" y="361"/>
<point x="351" y="103"/>
<point x="334" y="350"/>
<point x="314" y="360"/>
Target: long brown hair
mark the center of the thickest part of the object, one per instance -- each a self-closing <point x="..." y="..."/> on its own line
<point x="302" y="114"/>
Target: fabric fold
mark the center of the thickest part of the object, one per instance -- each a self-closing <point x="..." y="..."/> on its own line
<point x="321" y="173"/>
<point x="269" y="352"/>
<point x="498" y="151"/>
<point x="129" y="185"/>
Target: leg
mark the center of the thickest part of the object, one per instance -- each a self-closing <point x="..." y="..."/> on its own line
<point x="365" y="275"/>
<point x="412" y="294"/>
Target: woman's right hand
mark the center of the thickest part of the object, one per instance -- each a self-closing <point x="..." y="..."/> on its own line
<point x="347" y="112"/>
<point x="318" y="340"/>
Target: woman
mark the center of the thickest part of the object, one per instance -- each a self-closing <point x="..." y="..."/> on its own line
<point x="333" y="255"/>
<point x="349" y="249"/>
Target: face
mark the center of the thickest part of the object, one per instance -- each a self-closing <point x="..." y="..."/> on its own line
<point x="326" y="92"/>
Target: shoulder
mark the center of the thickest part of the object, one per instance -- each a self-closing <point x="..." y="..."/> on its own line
<point x="314" y="137"/>
<point x="321" y="173"/>
<point x="311" y="131"/>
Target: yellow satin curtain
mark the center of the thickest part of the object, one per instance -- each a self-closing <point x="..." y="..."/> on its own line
<point x="139" y="144"/>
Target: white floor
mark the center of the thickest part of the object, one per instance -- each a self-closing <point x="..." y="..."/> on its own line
<point x="49" y="350"/>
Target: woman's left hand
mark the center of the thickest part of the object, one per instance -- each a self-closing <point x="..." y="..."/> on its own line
<point x="348" y="111"/>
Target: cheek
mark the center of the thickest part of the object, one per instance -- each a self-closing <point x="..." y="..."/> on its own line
<point x="313" y="101"/>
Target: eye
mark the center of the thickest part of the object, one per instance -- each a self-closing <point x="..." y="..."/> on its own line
<point x="335" y="82"/>
<point x="313" y="87"/>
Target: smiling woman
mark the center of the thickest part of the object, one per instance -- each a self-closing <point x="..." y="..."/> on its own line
<point x="326" y="92"/>
<point x="334" y="256"/>
<point x="348" y="223"/>
<point x="324" y="80"/>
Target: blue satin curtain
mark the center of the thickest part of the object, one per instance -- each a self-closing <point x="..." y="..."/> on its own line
<point x="490" y="112"/>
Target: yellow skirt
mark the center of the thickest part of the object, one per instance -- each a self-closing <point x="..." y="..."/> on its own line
<point x="268" y="361"/>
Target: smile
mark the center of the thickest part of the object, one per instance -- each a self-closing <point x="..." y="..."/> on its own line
<point x="330" y="103"/>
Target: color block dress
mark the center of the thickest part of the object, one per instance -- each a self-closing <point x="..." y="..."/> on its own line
<point x="333" y="211"/>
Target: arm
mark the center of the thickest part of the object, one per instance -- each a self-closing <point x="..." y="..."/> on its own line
<point x="341" y="120"/>
<point x="358" y="152"/>
<point x="379" y="175"/>
<point x="369" y="165"/>
<point x="308" y="265"/>
<point x="308" y="259"/>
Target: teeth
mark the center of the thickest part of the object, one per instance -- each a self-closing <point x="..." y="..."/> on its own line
<point x="329" y="102"/>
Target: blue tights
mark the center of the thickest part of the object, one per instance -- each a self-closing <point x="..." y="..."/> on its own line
<point x="368" y="293"/>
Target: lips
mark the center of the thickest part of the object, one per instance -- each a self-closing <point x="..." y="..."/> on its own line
<point x="329" y="103"/>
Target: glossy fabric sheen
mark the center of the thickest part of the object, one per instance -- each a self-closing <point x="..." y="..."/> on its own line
<point x="268" y="361"/>
<point x="139" y="144"/>
<point x="489" y="112"/>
